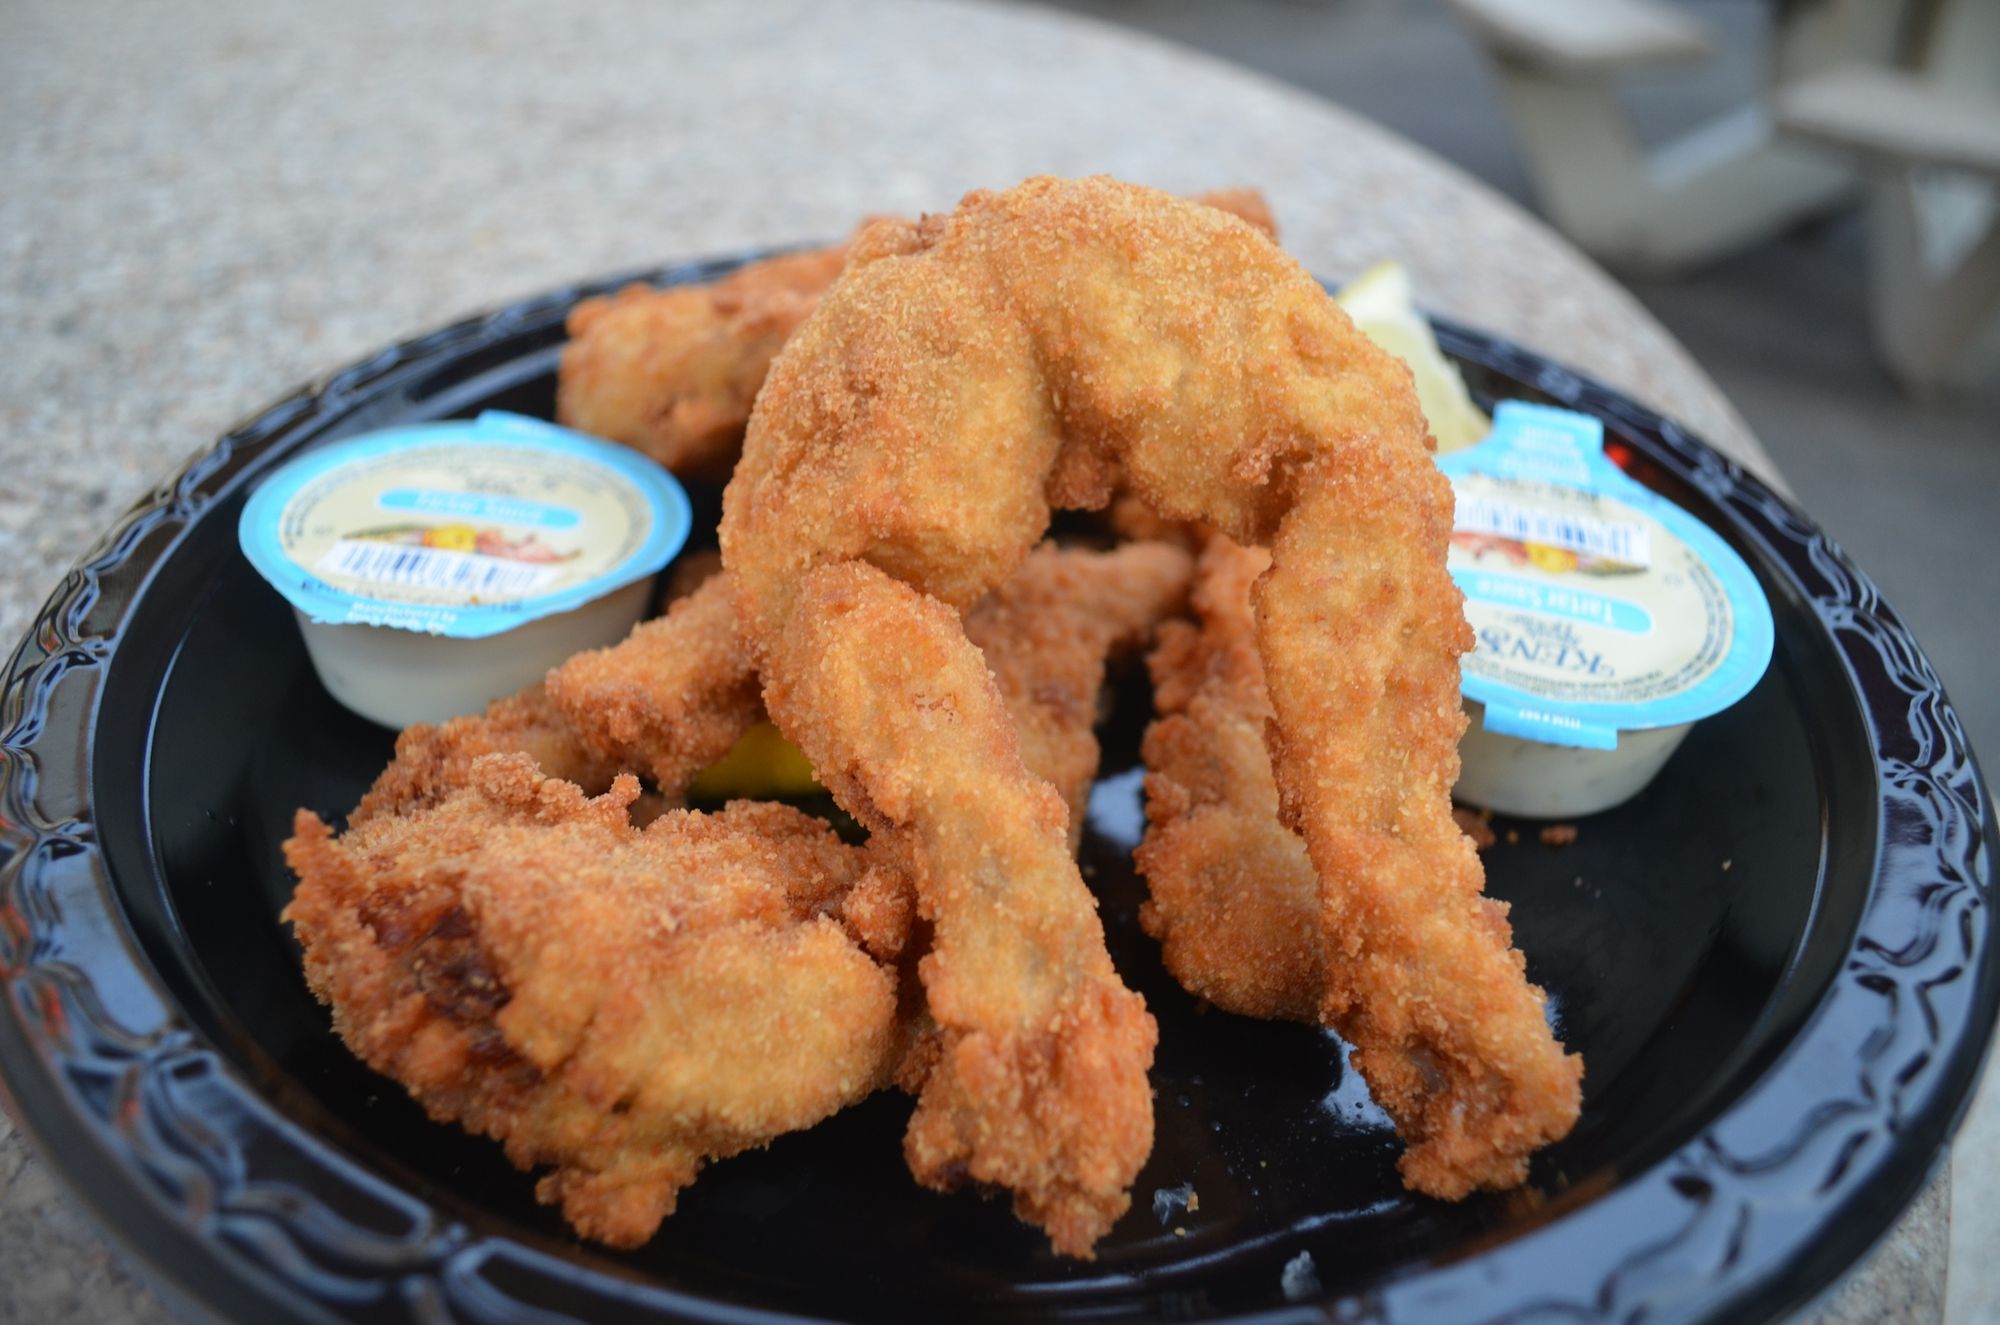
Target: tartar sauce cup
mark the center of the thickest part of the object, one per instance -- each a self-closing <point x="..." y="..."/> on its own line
<point x="1609" y="620"/>
<point x="438" y="566"/>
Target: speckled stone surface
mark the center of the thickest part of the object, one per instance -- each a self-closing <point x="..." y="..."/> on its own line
<point x="206" y="205"/>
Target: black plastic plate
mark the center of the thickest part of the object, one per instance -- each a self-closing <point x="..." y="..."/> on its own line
<point x="1778" y="962"/>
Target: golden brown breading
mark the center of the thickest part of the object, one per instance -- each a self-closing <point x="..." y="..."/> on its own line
<point x="1051" y="633"/>
<point x="434" y="760"/>
<point x="622" y="1005"/>
<point x="1047" y="634"/>
<point x="678" y="691"/>
<point x="1234" y="896"/>
<point x="1234" y="899"/>
<point x="899" y="463"/>
<point x="671" y="698"/>
<point x="673" y="371"/>
<point x="1039" y="1081"/>
<point x="1359" y="628"/>
<point x="674" y="696"/>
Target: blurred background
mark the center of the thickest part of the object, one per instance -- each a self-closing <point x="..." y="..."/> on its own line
<point x="1901" y="473"/>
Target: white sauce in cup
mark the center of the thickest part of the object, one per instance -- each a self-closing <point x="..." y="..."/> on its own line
<point x="439" y="566"/>
<point x="1608" y="619"/>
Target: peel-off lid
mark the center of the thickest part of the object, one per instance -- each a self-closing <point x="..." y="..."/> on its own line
<point x="1599" y="605"/>
<point x="463" y="528"/>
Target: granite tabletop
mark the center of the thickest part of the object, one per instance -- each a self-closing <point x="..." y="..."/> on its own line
<point x="209" y="204"/>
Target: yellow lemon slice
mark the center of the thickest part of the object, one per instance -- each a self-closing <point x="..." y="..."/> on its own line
<point x="761" y="765"/>
<point x="1379" y="301"/>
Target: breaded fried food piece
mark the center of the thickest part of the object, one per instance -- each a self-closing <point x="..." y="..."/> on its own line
<point x="1038" y="1083"/>
<point x="450" y="813"/>
<point x="677" y="693"/>
<point x="674" y="696"/>
<point x="673" y="371"/>
<point x="1422" y="977"/>
<point x="620" y="1005"/>
<point x="668" y="700"/>
<point x="1047" y="634"/>
<point x="1234" y="898"/>
<point x="900" y="463"/>
<point x="434" y="760"/>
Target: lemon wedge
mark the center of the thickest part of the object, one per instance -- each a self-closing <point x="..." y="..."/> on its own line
<point x="762" y="764"/>
<point x="1379" y="302"/>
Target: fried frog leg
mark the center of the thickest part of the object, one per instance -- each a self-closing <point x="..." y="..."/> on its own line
<point x="899" y="463"/>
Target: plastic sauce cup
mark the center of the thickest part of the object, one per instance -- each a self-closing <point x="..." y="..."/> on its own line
<point x="1608" y="619"/>
<point x="439" y="566"/>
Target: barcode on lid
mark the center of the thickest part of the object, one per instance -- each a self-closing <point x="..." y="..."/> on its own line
<point x="435" y="569"/>
<point x="1614" y="540"/>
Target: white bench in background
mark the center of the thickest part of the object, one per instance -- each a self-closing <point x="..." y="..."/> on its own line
<point x="1931" y="143"/>
<point x="1904" y="94"/>
<point x="1719" y="187"/>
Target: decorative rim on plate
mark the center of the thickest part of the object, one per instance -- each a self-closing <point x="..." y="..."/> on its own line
<point x="1763" y="1208"/>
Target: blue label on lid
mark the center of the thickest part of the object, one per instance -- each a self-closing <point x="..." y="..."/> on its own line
<point x="474" y="506"/>
<point x="462" y="528"/>
<point x="1598" y="605"/>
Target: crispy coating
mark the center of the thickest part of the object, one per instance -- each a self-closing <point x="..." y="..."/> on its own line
<point x="1422" y="976"/>
<point x="1234" y="898"/>
<point x="678" y="692"/>
<point x="621" y="1005"/>
<point x="1038" y="1083"/>
<point x="900" y="461"/>
<point x="1047" y="633"/>
<point x="1234" y="895"/>
<point x="454" y="844"/>
<point x="434" y="760"/>
<point x="673" y="371"/>
<point x="671" y="698"/>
